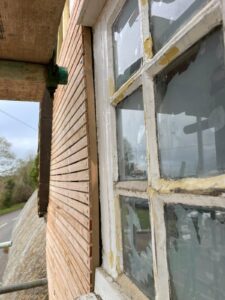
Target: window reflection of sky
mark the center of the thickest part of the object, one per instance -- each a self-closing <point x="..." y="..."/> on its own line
<point x="131" y="137"/>
<point x="191" y="114"/>
<point x="127" y="42"/>
<point x="196" y="234"/>
<point x="170" y="10"/>
<point x="137" y="246"/>
<point x="167" y="16"/>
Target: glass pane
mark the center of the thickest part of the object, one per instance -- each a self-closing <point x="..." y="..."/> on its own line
<point x="190" y="95"/>
<point x="131" y="138"/>
<point x="167" y="16"/>
<point x="127" y="42"/>
<point x="137" y="248"/>
<point x="196" y="256"/>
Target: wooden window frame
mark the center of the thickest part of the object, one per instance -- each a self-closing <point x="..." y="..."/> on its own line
<point x="159" y="191"/>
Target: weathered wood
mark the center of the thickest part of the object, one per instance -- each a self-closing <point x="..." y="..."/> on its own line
<point x="29" y="29"/>
<point x="22" y="81"/>
<point x="76" y="90"/>
<point x="93" y="156"/>
<point x="76" y="215"/>
<point x="73" y="220"/>
<point x="79" y="166"/>
<point x="78" y="206"/>
<point x="81" y="230"/>
<point x="72" y="186"/>
<point x="65" y="248"/>
<point x="72" y="66"/>
<point x="78" y="176"/>
<point x="76" y="154"/>
<point x="67" y="44"/>
<point x="69" y="137"/>
<point x="77" y="240"/>
<point x="88" y="13"/>
<point x="45" y="132"/>
<point x="79" y="109"/>
<point x="83" y="260"/>
<point x="79" y="143"/>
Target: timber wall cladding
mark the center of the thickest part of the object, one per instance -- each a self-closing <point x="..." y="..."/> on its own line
<point x="73" y="220"/>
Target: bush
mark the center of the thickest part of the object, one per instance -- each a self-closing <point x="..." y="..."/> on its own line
<point x="19" y="186"/>
<point x="8" y="192"/>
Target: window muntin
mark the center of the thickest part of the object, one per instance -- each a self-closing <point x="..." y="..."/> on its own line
<point x="137" y="248"/>
<point x="187" y="37"/>
<point x="166" y="17"/>
<point x="127" y="43"/>
<point x="195" y="245"/>
<point x="190" y="97"/>
<point x="131" y="138"/>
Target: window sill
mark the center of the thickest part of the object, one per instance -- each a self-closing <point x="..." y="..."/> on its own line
<point x="109" y="289"/>
<point x="88" y="297"/>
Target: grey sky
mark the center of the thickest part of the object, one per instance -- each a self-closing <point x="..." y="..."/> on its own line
<point x="24" y="139"/>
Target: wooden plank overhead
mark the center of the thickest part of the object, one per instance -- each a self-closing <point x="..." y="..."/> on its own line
<point x="28" y="29"/>
<point x="22" y="81"/>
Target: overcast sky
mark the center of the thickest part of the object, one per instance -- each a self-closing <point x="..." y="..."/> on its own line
<point x="24" y="138"/>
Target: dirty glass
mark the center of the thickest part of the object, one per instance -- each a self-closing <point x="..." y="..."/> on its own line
<point x="131" y="138"/>
<point x="196" y="252"/>
<point x="137" y="248"/>
<point x="190" y="98"/>
<point x="127" y="43"/>
<point x="167" y="16"/>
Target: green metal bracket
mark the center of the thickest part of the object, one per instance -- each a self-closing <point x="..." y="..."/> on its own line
<point x="56" y="75"/>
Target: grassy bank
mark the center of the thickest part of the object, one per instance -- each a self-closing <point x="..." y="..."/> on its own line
<point x="12" y="208"/>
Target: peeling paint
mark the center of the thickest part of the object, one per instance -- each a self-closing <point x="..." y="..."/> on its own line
<point x="169" y="56"/>
<point x="111" y="86"/>
<point x="118" y="268"/>
<point x="111" y="259"/>
<point x="120" y="94"/>
<point x="144" y="2"/>
<point x="152" y="192"/>
<point x="202" y="186"/>
<point x="148" y="47"/>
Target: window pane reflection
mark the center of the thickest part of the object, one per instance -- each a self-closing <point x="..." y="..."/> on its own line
<point x="167" y="16"/>
<point x="131" y="138"/>
<point x="127" y="42"/>
<point x="191" y="111"/>
<point x="196" y="256"/>
<point x="137" y="249"/>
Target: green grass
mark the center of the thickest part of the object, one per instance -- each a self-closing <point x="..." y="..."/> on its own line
<point x="143" y="215"/>
<point x="12" y="208"/>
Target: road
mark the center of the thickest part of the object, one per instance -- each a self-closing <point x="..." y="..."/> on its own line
<point x="7" y="223"/>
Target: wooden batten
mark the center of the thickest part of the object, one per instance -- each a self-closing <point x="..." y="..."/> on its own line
<point x="73" y="209"/>
<point x="45" y="133"/>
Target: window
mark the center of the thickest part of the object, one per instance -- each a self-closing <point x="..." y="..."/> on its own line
<point x="166" y="17"/>
<point x="131" y="138"/>
<point x="191" y="113"/>
<point x="195" y="243"/>
<point x="127" y="51"/>
<point x="161" y="128"/>
<point x="137" y="246"/>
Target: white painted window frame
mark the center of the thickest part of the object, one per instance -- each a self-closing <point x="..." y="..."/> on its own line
<point x="71" y="6"/>
<point x="159" y="191"/>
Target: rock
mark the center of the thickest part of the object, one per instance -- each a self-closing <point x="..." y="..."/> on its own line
<point x="27" y="259"/>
